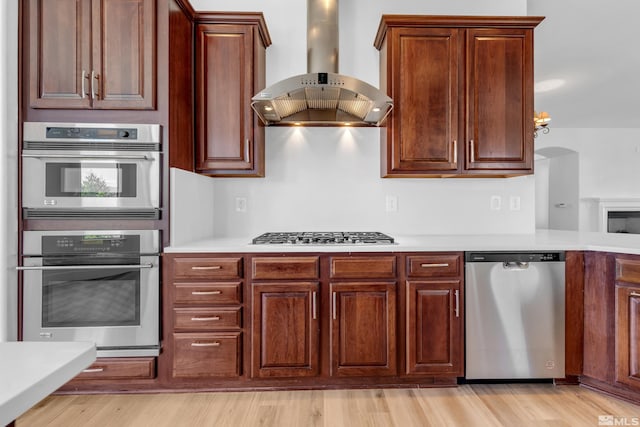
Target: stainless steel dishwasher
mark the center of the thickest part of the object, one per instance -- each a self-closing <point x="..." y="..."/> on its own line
<point x="514" y="309"/>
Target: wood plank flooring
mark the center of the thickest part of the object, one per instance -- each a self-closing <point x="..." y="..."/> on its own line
<point x="483" y="405"/>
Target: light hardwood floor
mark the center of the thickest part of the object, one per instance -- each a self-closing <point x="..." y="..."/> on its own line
<point x="511" y="405"/>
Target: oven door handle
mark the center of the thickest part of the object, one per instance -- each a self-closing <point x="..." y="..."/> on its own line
<point x="89" y="156"/>
<point x="85" y="267"/>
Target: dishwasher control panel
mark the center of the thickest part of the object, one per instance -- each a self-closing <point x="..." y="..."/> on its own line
<point x="547" y="256"/>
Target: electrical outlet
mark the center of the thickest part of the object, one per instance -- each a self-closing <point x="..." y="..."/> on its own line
<point x="391" y="203"/>
<point x="514" y="203"/>
<point x="241" y="204"/>
<point x="496" y="203"/>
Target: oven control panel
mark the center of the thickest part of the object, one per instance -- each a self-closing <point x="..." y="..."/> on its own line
<point x="52" y="245"/>
<point x="54" y="132"/>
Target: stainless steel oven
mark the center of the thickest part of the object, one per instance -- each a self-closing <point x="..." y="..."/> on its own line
<point x="90" y="170"/>
<point x="100" y="286"/>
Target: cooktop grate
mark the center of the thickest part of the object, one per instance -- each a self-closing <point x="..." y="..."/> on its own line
<point x="324" y="238"/>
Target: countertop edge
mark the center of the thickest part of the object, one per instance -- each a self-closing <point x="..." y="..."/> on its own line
<point x="58" y="364"/>
<point x="541" y="240"/>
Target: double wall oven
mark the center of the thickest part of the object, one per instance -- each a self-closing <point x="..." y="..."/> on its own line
<point x="101" y="283"/>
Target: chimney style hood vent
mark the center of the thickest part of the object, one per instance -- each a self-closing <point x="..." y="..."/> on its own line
<point x="322" y="97"/>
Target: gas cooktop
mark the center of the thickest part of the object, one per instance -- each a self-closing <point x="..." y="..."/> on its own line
<point x="324" y="238"/>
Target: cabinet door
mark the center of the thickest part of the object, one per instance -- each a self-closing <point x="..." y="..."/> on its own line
<point x="628" y="335"/>
<point x="434" y="327"/>
<point x="285" y="330"/>
<point x="499" y="100"/>
<point x="363" y="329"/>
<point x="59" y="53"/>
<point x="224" y="87"/>
<point x="422" y="135"/>
<point x="123" y="54"/>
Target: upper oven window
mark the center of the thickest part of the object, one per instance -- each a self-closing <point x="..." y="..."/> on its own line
<point x="90" y="179"/>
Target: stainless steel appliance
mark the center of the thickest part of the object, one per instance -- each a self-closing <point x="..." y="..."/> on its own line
<point x="87" y="170"/>
<point x="322" y="97"/>
<point x="323" y="238"/>
<point x="515" y="315"/>
<point x="100" y="286"/>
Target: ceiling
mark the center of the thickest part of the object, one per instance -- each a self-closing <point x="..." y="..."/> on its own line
<point x="587" y="62"/>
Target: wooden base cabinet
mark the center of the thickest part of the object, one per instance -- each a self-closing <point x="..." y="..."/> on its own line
<point x="285" y="337"/>
<point x="312" y="320"/>
<point x="628" y="322"/>
<point x="463" y="95"/>
<point x="434" y="328"/>
<point x="203" y="317"/>
<point x="612" y="324"/>
<point x="434" y="314"/>
<point x="363" y="329"/>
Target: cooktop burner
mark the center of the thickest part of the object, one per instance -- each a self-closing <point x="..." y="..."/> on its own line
<point x="324" y="238"/>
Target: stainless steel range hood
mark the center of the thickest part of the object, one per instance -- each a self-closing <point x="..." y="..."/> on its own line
<point x="322" y="97"/>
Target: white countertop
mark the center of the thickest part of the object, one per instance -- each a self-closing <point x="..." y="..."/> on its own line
<point x="540" y="240"/>
<point x="30" y="371"/>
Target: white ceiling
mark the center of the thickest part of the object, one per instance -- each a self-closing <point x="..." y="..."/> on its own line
<point x="592" y="48"/>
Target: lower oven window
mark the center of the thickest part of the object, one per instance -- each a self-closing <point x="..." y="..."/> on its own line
<point x="112" y="300"/>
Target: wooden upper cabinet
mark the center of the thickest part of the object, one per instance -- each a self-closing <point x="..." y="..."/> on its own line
<point x="230" y="69"/>
<point x="424" y="126"/>
<point x="499" y="100"/>
<point x="462" y="89"/>
<point x="96" y="54"/>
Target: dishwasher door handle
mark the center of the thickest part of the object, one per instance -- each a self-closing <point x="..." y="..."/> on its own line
<point x="515" y="265"/>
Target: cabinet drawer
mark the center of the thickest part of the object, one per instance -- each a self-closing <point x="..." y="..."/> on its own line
<point x="434" y="265"/>
<point x="200" y="319"/>
<point x="120" y="368"/>
<point x="381" y="267"/>
<point x="206" y="355"/>
<point x="207" y="268"/>
<point x="628" y="270"/>
<point x="207" y="293"/>
<point x="286" y="267"/>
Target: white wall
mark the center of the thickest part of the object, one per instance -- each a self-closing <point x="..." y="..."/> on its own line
<point x="8" y="168"/>
<point x="609" y="164"/>
<point x="321" y="179"/>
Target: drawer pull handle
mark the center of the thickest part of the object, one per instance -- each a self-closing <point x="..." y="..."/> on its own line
<point x="205" y="344"/>
<point x="204" y="319"/>
<point x="206" y="267"/>
<point x="93" y="370"/>
<point x="206" y="292"/>
<point x="634" y="294"/>
<point x="435" y="265"/>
